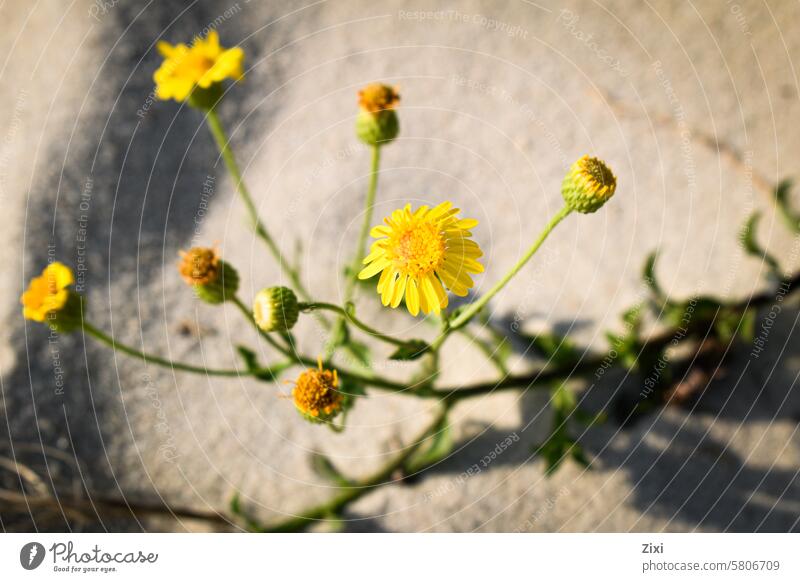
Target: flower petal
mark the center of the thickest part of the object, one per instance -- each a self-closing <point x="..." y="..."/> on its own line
<point x="412" y="297"/>
<point x="373" y="269"/>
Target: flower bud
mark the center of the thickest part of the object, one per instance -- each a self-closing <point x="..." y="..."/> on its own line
<point x="377" y="122"/>
<point x="588" y="185"/>
<point x="275" y="309"/>
<point x="213" y="280"/>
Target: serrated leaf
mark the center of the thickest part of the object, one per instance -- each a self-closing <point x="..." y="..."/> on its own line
<point x="411" y="350"/>
<point x="324" y="467"/>
<point x="440" y="445"/>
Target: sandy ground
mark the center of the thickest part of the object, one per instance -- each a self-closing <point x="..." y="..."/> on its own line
<point x="694" y="106"/>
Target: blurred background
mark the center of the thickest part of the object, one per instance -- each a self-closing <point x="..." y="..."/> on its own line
<point x="694" y="105"/>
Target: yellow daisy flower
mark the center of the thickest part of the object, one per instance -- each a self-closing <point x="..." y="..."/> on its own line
<point x="200" y="65"/>
<point x="48" y="292"/>
<point x="420" y="253"/>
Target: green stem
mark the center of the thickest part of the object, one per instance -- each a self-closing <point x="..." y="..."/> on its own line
<point x="353" y="492"/>
<point x="371" y="380"/>
<point x="221" y="139"/>
<point x="355" y="266"/>
<point x="248" y="315"/>
<point x="476" y="306"/>
<point x="366" y="224"/>
<point x="151" y="359"/>
<point x="350" y="317"/>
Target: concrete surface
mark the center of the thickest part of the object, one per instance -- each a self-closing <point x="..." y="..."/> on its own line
<point x="695" y="106"/>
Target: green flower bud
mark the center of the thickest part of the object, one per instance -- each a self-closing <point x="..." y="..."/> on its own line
<point x="377" y="128"/>
<point x="275" y="309"/>
<point x="222" y="289"/>
<point x="377" y="122"/>
<point x="588" y="185"/>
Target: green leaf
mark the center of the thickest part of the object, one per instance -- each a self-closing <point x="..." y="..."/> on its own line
<point x="559" y="350"/>
<point x="558" y="447"/>
<point x="237" y="510"/>
<point x="411" y="350"/>
<point x="236" y="504"/>
<point x="650" y="279"/>
<point x="563" y="399"/>
<point x="324" y="467"/>
<point x="731" y="323"/>
<point x="440" y="445"/>
<point x="789" y="215"/>
<point x="747" y="325"/>
<point x="589" y="419"/>
<point x="253" y="367"/>
<point x="360" y="352"/>
<point x="747" y="236"/>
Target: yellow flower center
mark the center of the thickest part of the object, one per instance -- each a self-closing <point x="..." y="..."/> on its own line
<point x="418" y="249"/>
<point x="193" y="65"/>
<point x="52" y="284"/>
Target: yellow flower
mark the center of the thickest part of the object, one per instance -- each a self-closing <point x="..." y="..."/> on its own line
<point x="48" y="292"/>
<point x="377" y="97"/>
<point x="316" y="394"/>
<point x="200" y="65"/>
<point x="419" y="254"/>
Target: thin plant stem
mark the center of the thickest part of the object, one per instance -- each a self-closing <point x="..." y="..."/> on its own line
<point x="355" y="266"/>
<point x="222" y="141"/>
<point x="382" y="476"/>
<point x="151" y="359"/>
<point x="476" y="306"/>
<point x="351" y="318"/>
<point x="248" y="315"/>
<point x="372" y="380"/>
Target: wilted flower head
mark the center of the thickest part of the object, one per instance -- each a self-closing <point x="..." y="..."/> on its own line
<point x="419" y="253"/>
<point x="316" y="394"/>
<point x="202" y="65"/>
<point x="588" y="185"/>
<point x="377" y="97"/>
<point x="199" y="265"/>
<point x="212" y="279"/>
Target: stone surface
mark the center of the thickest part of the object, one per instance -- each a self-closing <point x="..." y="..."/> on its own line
<point x="694" y="106"/>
